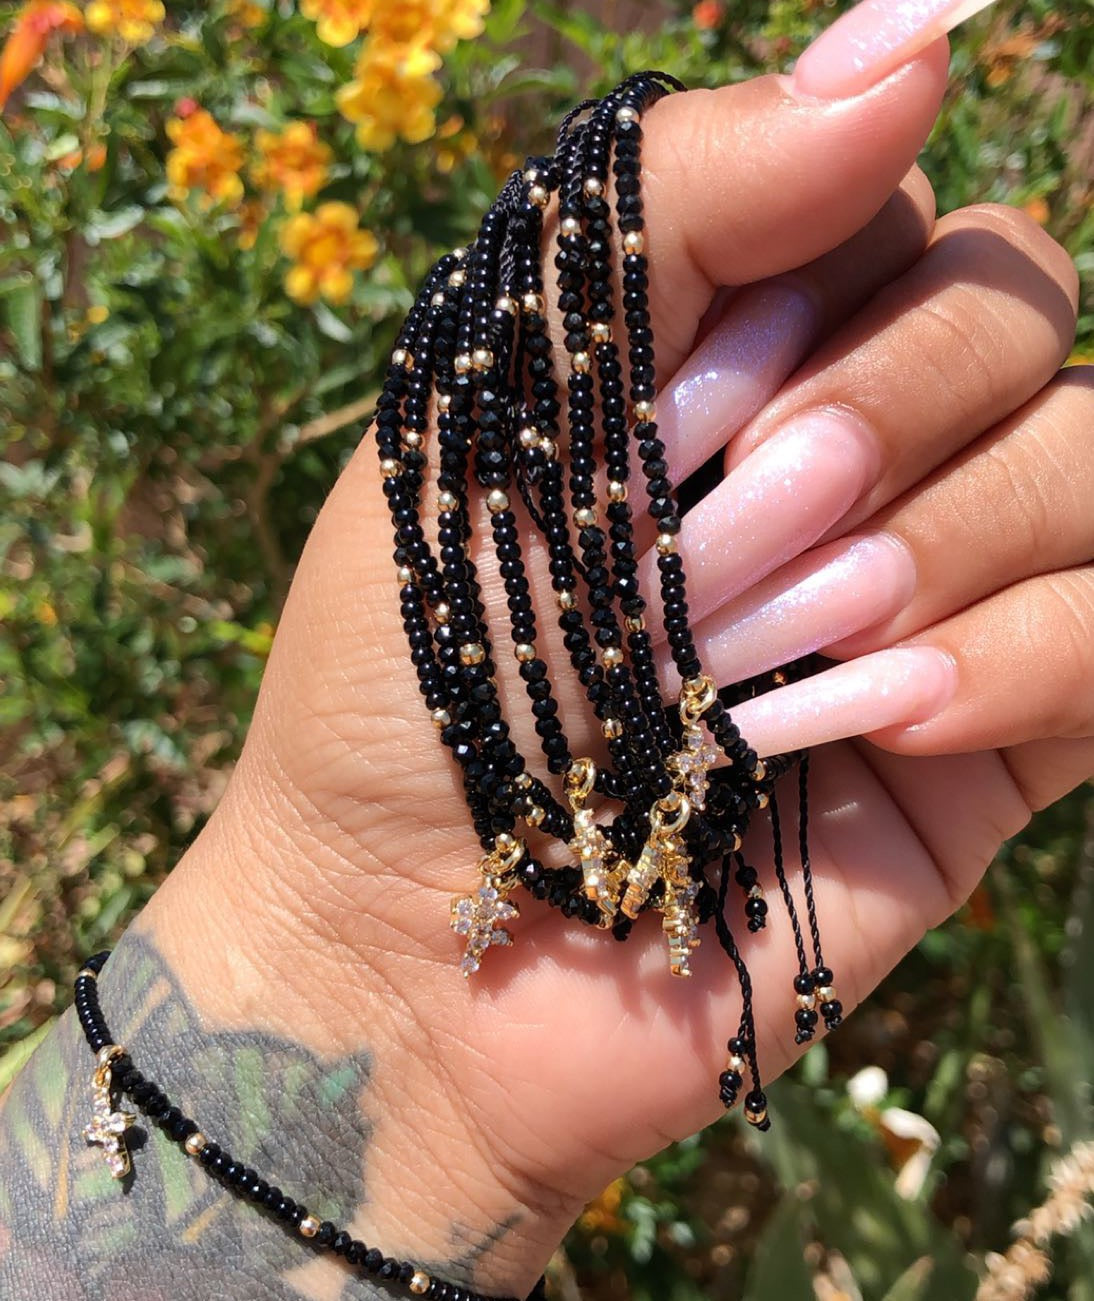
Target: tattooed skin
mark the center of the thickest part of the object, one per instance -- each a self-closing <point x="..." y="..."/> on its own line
<point x="69" y="1231"/>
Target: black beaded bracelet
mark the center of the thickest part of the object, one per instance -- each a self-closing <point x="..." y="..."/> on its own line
<point x="116" y="1074"/>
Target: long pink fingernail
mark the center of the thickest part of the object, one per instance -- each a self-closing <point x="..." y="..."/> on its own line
<point x="872" y="40"/>
<point x="740" y="365"/>
<point x="777" y="502"/>
<point x="901" y="686"/>
<point x="816" y="600"/>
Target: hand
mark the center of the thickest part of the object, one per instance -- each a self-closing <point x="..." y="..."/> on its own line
<point x="875" y="377"/>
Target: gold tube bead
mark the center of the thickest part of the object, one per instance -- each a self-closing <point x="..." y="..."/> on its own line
<point x="633" y="242"/>
<point x="525" y="652"/>
<point x="441" y="718"/>
<point x="447" y="501"/>
<point x="580" y="362"/>
<point x="419" y="1282"/>
<point x="585" y="518"/>
<point x="461" y="363"/>
<point x="617" y="490"/>
<point x="593" y="187"/>
<point x="645" y="410"/>
<point x="601" y="332"/>
<point x="497" y="501"/>
<point x="194" y="1144"/>
<point x="567" y="600"/>
<point x="405" y="574"/>
<point x="612" y="729"/>
<point x="472" y="652"/>
<point x="666" y="544"/>
<point x="309" y="1226"/>
<point x="612" y="657"/>
<point x="570" y="226"/>
<point x="533" y="303"/>
<point x="482" y="359"/>
<point x="390" y="467"/>
<point x="538" y="196"/>
<point x="457" y="278"/>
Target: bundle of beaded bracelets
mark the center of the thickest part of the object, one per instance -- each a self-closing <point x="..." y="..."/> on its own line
<point x="475" y="362"/>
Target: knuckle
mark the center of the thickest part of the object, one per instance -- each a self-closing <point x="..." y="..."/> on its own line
<point x="1064" y="619"/>
<point x="1029" y="238"/>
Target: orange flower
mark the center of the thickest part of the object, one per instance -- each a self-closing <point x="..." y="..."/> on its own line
<point x="96" y="157"/>
<point x="1039" y="210"/>
<point x="708" y="14"/>
<point x="204" y="158"/>
<point x="27" y="41"/>
<point x="252" y="213"/>
<point x="133" y="20"/>
<point x="295" y="162"/>
<point x="247" y="13"/>
<point x="338" y="21"/>
<point x="391" y="95"/>
<point x="327" y="246"/>
<point x="435" y="24"/>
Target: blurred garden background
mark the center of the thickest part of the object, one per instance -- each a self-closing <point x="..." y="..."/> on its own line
<point x="212" y="218"/>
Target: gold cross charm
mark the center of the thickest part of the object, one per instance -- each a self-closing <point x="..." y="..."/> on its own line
<point x="107" y="1127"/>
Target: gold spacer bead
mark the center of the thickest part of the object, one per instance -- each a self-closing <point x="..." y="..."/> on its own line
<point x="612" y="657"/>
<point x="412" y="439"/>
<point x="447" y="500"/>
<point x="389" y="467"/>
<point x="482" y="359"/>
<point x="601" y="332"/>
<point x="763" y="800"/>
<point x="548" y="448"/>
<point x="756" y="892"/>
<point x="736" y="1063"/>
<point x="737" y="842"/>
<point x="442" y="611"/>
<point x="570" y="226"/>
<point x="567" y="600"/>
<point x="405" y="574"/>
<point x="612" y="729"/>
<point x="826" y="993"/>
<point x="626" y="114"/>
<point x="538" y="196"/>
<point x="419" y="1282"/>
<point x="760" y="771"/>
<point x="756" y="1117"/>
<point x="525" y="652"/>
<point x="497" y="501"/>
<point x="535" y="815"/>
<point x="194" y="1144"/>
<point x="399" y="357"/>
<point x="533" y="303"/>
<point x="666" y="544"/>
<point x="645" y="410"/>
<point x="634" y="623"/>
<point x="585" y="518"/>
<point x="472" y="652"/>
<point x="617" y="490"/>
<point x="806" y="1000"/>
<point x="462" y="363"/>
<point x="506" y="304"/>
<point x="523" y="781"/>
<point x="444" y="401"/>
<point x="309" y="1226"/>
<point x="441" y="718"/>
<point x="531" y="175"/>
<point x="593" y="186"/>
<point x="459" y="253"/>
<point x="457" y="278"/>
<point x="438" y="299"/>
<point x="580" y="362"/>
<point x="86" y="971"/>
<point x="529" y="436"/>
<point x="634" y="242"/>
<point x="504" y="843"/>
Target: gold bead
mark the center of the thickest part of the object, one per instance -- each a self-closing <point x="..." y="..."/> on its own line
<point x="612" y="728"/>
<point x="444" y="401"/>
<point x="528" y="436"/>
<point x="580" y="362"/>
<point x="736" y="1063"/>
<point x="617" y="491"/>
<point x="457" y="278"/>
<point x="634" y="242"/>
<point x="87" y="972"/>
<point x="497" y="501"/>
<point x="601" y="332"/>
<point x="626" y="114"/>
<point x="447" y="500"/>
<point x="506" y="304"/>
<point x="805" y="1000"/>
<point x="441" y="718"/>
<point x="442" y="611"/>
<point x="538" y="196"/>
<point x="525" y="652"/>
<point x="666" y="544"/>
<point x="760" y="771"/>
<point x="438" y="299"/>
<point x="482" y="359"/>
<point x="593" y="186"/>
<point x="535" y="815"/>
<point x="826" y="993"/>
<point x="634" y="623"/>
<point x="548" y="448"/>
<point x="533" y="303"/>
<point x="194" y="1144"/>
<point x="504" y="843"/>
<point x="612" y="657"/>
<point x="419" y="1282"/>
<point x="462" y="363"/>
<point x="585" y="518"/>
<point x="389" y="467"/>
<point x="570" y="226"/>
<point x="523" y="781"/>
<point x="472" y="652"/>
<point x="645" y="410"/>
<point x="309" y="1226"/>
<point x="763" y="800"/>
<point x="405" y="574"/>
<point x="399" y="357"/>
<point x="756" y="892"/>
<point x="756" y="1117"/>
<point x="459" y="253"/>
<point x="531" y="175"/>
<point x="567" y="600"/>
<point x="412" y="439"/>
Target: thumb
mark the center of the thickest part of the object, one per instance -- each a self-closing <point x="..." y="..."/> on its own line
<point x="753" y="179"/>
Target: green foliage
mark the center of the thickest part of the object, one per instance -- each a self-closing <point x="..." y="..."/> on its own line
<point x="171" y="420"/>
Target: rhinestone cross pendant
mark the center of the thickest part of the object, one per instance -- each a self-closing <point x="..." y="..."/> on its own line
<point x="107" y="1127"/>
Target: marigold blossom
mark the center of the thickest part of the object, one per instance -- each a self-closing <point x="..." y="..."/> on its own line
<point x="133" y="20"/>
<point x="327" y="247"/>
<point x="294" y="161"/>
<point x="204" y="158"/>
<point x="28" y="38"/>
<point x="392" y="95"/>
<point x="337" y="22"/>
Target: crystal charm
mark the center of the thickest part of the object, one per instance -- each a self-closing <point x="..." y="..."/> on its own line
<point x="107" y="1127"/>
<point x="479" y="918"/>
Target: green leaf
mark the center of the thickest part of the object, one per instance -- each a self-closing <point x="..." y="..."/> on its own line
<point x="913" y="1284"/>
<point x="22" y="308"/>
<point x="779" y="1271"/>
<point x="330" y="325"/>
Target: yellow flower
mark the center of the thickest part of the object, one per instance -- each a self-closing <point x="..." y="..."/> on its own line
<point x="247" y="13"/>
<point x="204" y="158"/>
<point x="295" y="162"/>
<point x="252" y="213"/>
<point x="434" y="24"/>
<point x="133" y="20"/>
<point x="327" y="246"/>
<point x="459" y="20"/>
<point x="391" y="95"/>
<point x="338" y="21"/>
